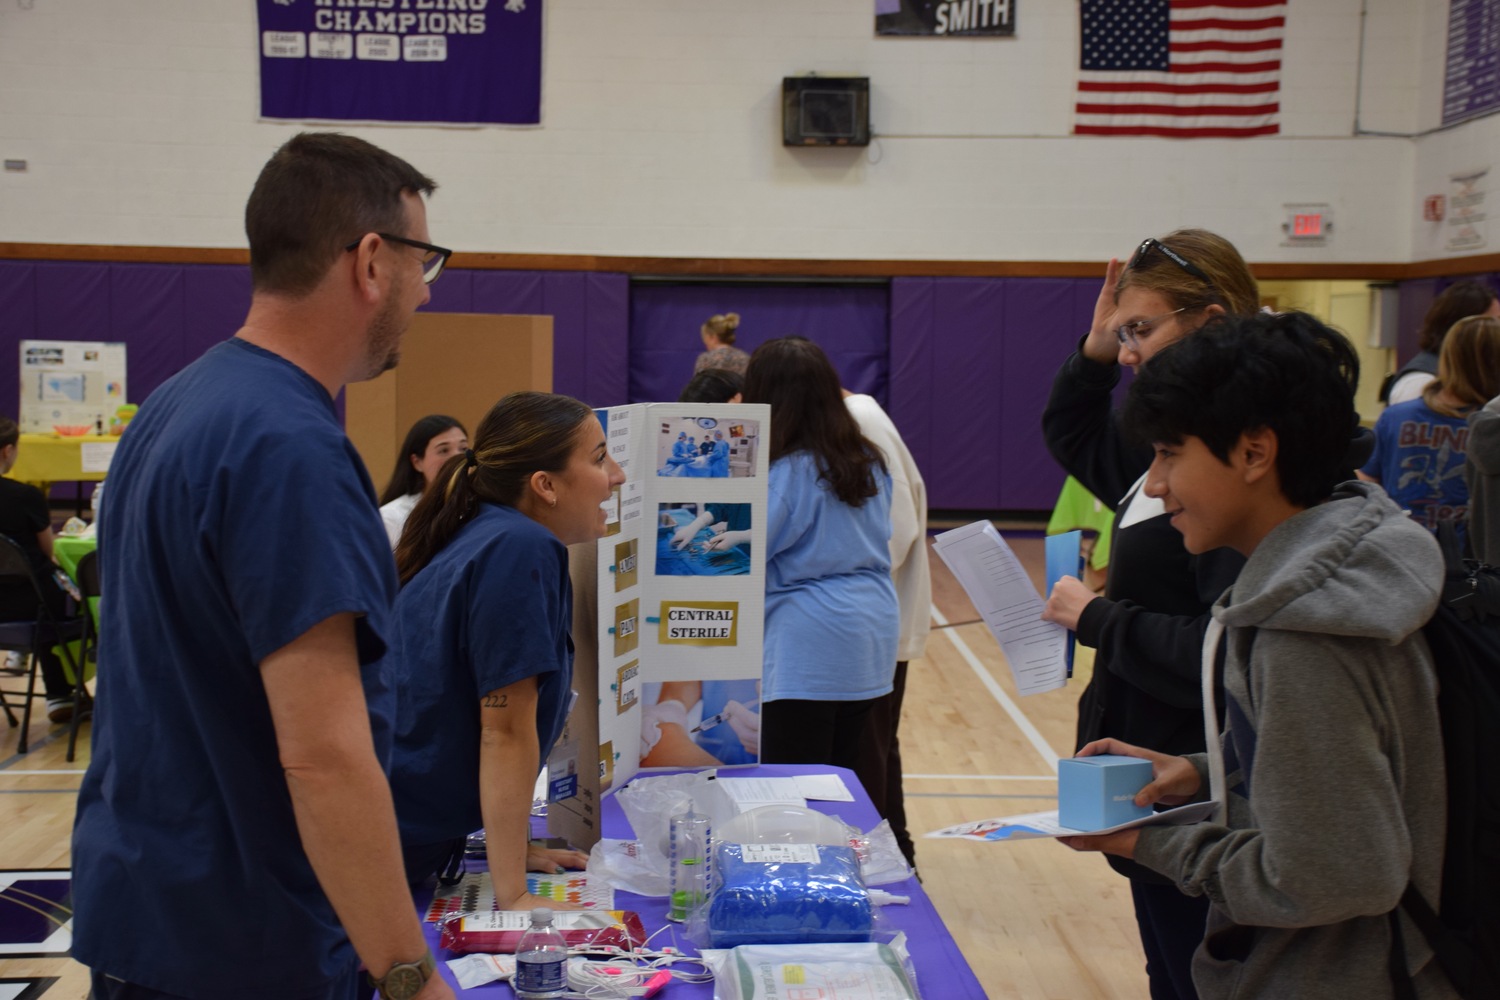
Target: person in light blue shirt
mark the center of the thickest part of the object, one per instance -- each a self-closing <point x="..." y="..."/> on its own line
<point x="718" y="459"/>
<point x="831" y="617"/>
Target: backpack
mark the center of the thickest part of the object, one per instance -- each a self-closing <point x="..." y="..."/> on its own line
<point x="1424" y="361"/>
<point x="1464" y="636"/>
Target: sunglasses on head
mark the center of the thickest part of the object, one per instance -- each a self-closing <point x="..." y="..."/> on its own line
<point x="1149" y="244"/>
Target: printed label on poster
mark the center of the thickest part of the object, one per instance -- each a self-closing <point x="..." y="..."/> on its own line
<point x="698" y="623"/>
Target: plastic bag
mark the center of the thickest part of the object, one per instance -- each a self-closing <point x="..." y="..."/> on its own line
<point x="624" y="864"/>
<point x="783" y="894"/>
<point x="791" y="971"/>
<point x="650" y="804"/>
<point x="880" y="858"/>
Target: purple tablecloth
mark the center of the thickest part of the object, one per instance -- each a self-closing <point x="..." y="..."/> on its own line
<point x="942" y="972"/>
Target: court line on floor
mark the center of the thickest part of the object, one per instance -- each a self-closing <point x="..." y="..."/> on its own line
<point x="1048" y="755"/>
<point x="24" y="773"/>
<point x="978" y="777"/>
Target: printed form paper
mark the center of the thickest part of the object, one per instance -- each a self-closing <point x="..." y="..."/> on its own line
<point x="993" y="578"/>
<point x="1030" y="826"/>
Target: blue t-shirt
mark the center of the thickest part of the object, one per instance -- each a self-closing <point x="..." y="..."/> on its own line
<point x="1419" y="460"/>
<point x="495" y="606"/>
<point x="239" y="517"/>
<point x="831" y="616"/>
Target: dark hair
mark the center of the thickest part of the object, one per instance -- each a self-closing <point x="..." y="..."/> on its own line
<point x="1230" y="283"/>
<point x="712" y="385"/>
<point x="318" y="192"/>
<point x="10" y="433"/>
<point x="525" y="432"/>
<point x="1286" y="372"/>
<point x="808" y="414"/>
<point x="1464" y="298"/>
<point x="405" y="479"/>
<point x="1468" y="369"/>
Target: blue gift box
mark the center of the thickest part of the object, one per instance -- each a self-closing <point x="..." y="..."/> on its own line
<point x="1094" y="793"/>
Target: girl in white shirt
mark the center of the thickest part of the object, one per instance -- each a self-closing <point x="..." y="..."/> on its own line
<point x="431" y="441"/>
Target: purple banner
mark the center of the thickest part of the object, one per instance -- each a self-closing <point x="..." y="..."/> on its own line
<point x="464" y="62"/>
<point x="1471" y="83"/>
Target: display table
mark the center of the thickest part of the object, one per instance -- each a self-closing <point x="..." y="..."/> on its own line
<point x="43" y="459"/>
<point x="942" y="972"/>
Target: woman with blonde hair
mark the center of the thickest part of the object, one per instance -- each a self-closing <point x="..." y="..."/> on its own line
<point x="482" y="655"/>
<point x="1420" y="445"/>
<point x="718" y="345"/>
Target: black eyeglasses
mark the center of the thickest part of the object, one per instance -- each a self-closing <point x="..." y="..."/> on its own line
<point x="1149" y="244"/>
<point x="433" y="258"/>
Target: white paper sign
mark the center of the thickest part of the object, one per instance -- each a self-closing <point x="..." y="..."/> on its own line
<point x="997" y="583"/>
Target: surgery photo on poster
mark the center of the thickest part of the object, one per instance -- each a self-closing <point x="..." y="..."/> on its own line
<point x="700" y="723"/>
<point x="703" y="539"/>
<point x="706" y="447"/>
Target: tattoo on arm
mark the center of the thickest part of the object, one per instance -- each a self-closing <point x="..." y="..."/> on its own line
<point x="496" y="700"/>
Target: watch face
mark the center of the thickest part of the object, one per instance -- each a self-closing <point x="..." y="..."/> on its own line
<point x="402" y="983"/>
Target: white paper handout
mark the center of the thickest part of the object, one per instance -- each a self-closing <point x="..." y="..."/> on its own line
<point x="1030" y="826"/>
<point x="1007" y="600"/>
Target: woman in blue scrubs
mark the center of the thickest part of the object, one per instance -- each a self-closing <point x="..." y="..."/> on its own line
<point x="483" y="660"/>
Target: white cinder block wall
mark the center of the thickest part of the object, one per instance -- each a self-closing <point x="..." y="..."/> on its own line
<point x="661" y="137"/>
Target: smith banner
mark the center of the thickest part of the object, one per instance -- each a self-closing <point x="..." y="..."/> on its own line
<point x="957" y="18"/>
<point x="458" y="62"/>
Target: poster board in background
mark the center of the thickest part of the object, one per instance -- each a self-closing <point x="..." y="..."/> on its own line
<point x="674" y="623"/>
<point x="573" y="780"/>
<point x="70" y="383"/>
<point x="458" y="364"/>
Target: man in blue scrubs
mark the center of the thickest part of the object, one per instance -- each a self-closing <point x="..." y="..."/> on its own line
<point x="235" y="836"/>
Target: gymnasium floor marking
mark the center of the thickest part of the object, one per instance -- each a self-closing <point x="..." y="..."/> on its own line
<point x="36" y="912"/>
<point x="25" y="989"/>
<point x="1048" y="755"/>
<point x="983" y="777"/>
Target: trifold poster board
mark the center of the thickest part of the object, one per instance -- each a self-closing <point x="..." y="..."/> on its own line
<point x="70" y="383"/>
<point x="679" y="586"/>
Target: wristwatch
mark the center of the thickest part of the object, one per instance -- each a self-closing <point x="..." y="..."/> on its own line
<point x="405" y="980"/>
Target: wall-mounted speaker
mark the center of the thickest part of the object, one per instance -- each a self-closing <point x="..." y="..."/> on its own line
<point x="825" y="111"/>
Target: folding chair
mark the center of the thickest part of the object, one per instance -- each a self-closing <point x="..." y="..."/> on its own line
<point x="29" y="636"/>
<point x="87" y="574"/>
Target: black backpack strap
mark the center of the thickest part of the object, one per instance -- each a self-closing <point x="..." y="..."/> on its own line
<point x="1456" y="959"/>
<point x="1401" y="982"/>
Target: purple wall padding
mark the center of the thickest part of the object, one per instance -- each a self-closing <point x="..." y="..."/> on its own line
<point x="972" y="361"/>
<point x="850" y="323"/>
<point x="169" y="314"/>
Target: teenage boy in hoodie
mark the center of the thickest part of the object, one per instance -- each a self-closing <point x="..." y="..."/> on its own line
<point x="1335" y="784"/>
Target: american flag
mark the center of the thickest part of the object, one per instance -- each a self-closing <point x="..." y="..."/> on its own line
<point x="1189" y="69"/>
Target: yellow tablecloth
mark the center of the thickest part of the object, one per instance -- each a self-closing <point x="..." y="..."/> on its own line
<point x="52" y="458"/>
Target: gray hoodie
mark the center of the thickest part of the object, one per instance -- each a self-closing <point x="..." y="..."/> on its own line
<point x="1333" y="756"/>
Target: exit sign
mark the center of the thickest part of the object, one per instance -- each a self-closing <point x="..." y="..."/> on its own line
<point x="1307" y="225"/>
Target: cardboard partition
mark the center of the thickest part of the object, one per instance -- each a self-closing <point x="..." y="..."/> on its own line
<point x="457" y="364"/>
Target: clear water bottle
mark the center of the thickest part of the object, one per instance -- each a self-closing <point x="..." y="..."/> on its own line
<point x="541" y="960"/>
<point x="689" y="842"/>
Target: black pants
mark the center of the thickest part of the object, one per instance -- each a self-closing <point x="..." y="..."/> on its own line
<point x="1172" y="927"/>
<point x="793" y="731"/>
<point x="885" y="715"/>
<point x="20" y="605"/>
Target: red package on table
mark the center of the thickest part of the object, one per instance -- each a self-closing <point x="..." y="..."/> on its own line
<point x="497" y="932"/>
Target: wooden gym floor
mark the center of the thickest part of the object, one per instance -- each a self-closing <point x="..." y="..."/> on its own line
<point x="1034" y="919"/>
